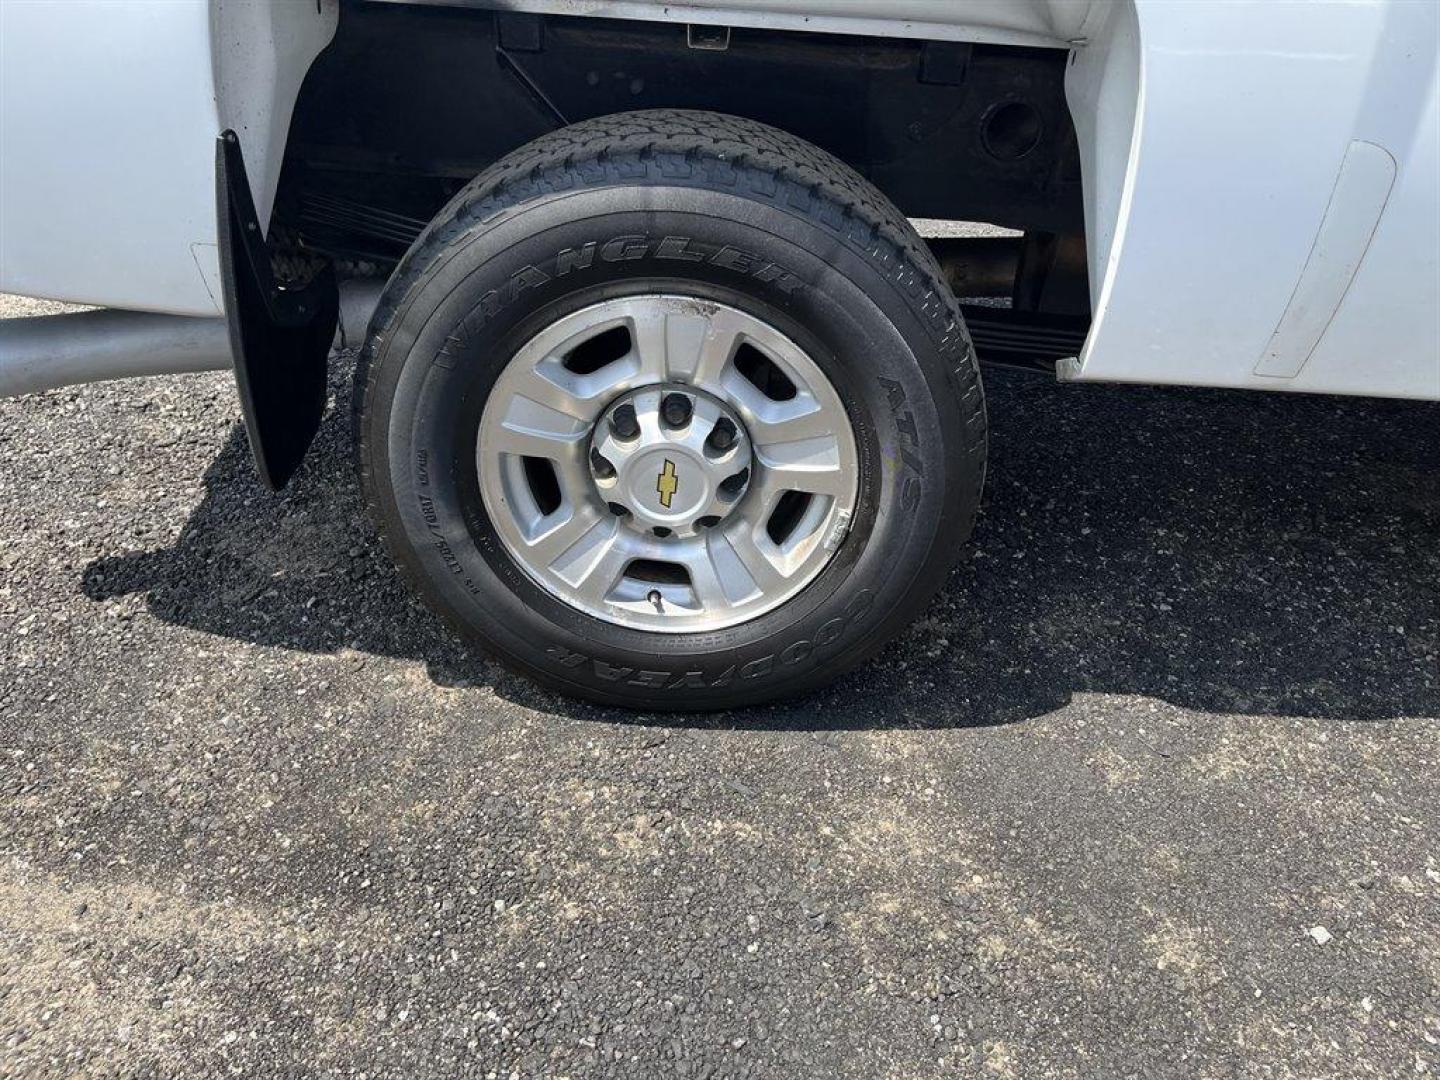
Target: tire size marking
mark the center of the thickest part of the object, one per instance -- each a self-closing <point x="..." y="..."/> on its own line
<point x="437" y="541"/>
<point x="625" y="248"/>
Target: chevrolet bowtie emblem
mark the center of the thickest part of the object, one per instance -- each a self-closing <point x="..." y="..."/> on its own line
<point x="667" y="483"/>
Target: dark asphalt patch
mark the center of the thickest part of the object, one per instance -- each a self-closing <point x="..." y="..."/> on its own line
<point x="1175" y="711"/>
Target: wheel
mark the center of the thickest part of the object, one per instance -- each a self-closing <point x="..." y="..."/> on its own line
<point x="671" y="410"/>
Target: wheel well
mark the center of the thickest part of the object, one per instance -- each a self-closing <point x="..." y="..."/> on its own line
<point x="409" y="102"/>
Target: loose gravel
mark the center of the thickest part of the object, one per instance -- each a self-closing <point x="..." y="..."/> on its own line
<point x="1152" y="790"/>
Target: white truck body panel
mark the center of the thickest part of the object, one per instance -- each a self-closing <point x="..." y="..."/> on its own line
<point x="1245" y="115"/>
<point x="109" y="111"/>
<point x="1241" y="230"/>
<point x="107" y="154"/>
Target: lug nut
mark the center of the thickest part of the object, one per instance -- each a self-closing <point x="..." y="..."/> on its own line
<point x="601" y="466"/>
<point x="722" y="436"/>
<point x="623" y="422"/>
<point x="676" y="409"/>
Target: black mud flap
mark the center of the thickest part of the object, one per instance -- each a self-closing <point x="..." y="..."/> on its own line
<point x="280" y="337"/>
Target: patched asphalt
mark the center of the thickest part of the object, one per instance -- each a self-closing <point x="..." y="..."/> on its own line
<point x="1152" y="790"/>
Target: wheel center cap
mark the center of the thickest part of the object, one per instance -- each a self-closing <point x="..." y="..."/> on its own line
<point x="667" y="483"/>
<point x="672" y="458"/>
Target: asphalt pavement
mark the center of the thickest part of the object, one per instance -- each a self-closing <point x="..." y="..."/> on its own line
<point x="1152" y="790"/>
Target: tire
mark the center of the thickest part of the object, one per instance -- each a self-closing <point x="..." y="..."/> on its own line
<point x="733" y="214"/>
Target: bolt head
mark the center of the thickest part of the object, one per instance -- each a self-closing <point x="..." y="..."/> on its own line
<point x="723" y="437"/>
<point x="676" y="409"/>
<point x="624" y="423"/>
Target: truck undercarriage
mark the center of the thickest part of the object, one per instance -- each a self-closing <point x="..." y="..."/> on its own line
<point x="409" y="103"/>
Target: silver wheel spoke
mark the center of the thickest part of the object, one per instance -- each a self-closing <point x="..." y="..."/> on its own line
<point x="689" y="346"/>
<point x="600" y="574"/>
<point x="571" y="526"/>
<point x="765" y="574"/>
<point x="714" y="589"/>
<point x="811" y="465"/>
<point x="535" y="442"/>
<point x="649" y="338"/>
<point x="711" y="356"/>
<point x="551" y="387"/>
<point x="769" y="421"/>
<point x="533" y="429"/>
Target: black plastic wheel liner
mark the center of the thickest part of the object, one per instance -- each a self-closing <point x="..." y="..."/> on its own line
<point x="279" y="337"/>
